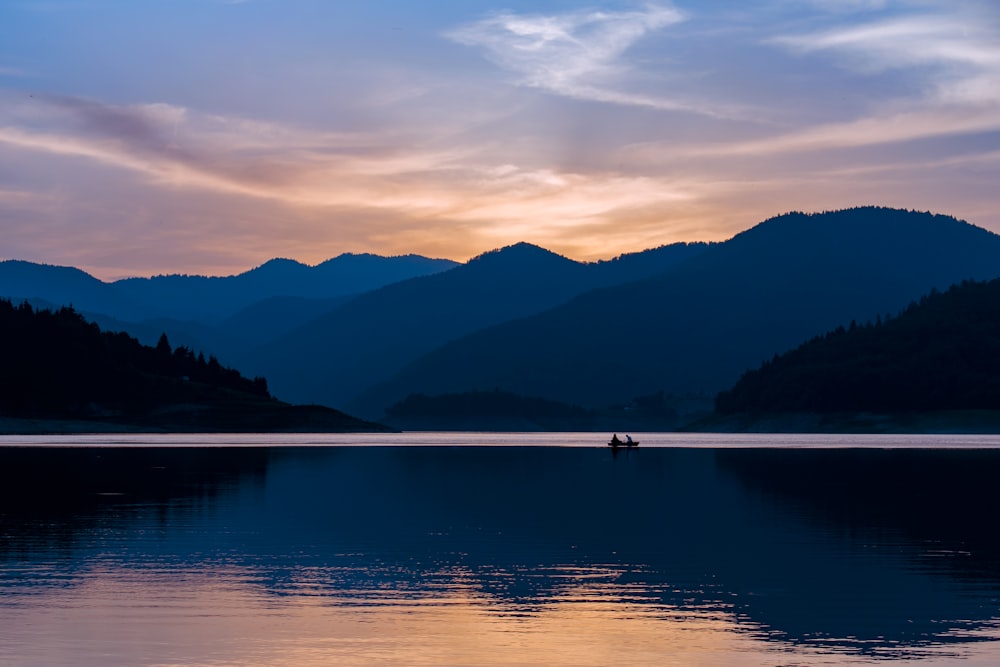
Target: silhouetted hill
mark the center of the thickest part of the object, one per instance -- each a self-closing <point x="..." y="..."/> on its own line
<point x="224" y="316"/>
<point x="58" y="366"/>
<point x="268" y="319"/>
<point x="336" y="356"/>
<point x="64" y="286"/>
<point x="212" y="298"/>
<point x="208" y="299"/>
<point x="942" y="353"/>
<point x="704" y="321"/>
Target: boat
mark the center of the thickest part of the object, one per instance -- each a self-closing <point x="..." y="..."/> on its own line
<point x="623" y="444"/>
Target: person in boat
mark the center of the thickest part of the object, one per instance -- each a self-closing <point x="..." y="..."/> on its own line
<point x="615" y="441"/>
<point x="628" y="439"/>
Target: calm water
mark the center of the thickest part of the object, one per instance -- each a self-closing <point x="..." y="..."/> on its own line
<point x="712" y="550"/>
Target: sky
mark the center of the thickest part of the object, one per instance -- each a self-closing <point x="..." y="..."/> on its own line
<point x="208" y="136"/>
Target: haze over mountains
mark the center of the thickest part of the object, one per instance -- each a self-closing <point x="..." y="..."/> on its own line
<point x="220" y="315"/>
<point x="334" y="357"/>
<point x="676" y="319"/>
<point x="209" y="299"/>
<point x="702" y="322"/>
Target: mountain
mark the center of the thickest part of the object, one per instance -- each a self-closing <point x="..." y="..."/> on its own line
<point x="59" y="367"/>
<point x="64" y="286"/>
<point x="270" y="318"/>
<point x="211" y="299"/>
<point x="208" y="300"/>
<point x="941" y="353"/>
<point x="701" y="323"/>
<point x="336" y="356"/>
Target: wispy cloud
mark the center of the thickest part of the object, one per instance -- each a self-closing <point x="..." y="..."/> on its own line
<point x="19" y="197"/>
<point x="950" y="61"/>
<point x="140" y="138"/>
<point x="842" y="6"/>
<point x="870" y="131"/>
<point x="581" y="55"/>
<point x="170" y="147"/>
<point x="7" y="70"/>
<point x="805" y="104"/>
<point x="956" y="55"/>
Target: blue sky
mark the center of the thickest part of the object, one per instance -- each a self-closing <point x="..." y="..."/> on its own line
<point x="206" y="136"/>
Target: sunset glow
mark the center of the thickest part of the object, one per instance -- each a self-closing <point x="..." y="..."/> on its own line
<point x="207" y="136"/>
<point x="241" y="624"/>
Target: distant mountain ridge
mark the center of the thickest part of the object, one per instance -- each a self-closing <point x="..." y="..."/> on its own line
<point x="209" y="298"/>
<point x="684" y="320"/>
<point x="335" y="357"/>
<point x="703" y="321"/>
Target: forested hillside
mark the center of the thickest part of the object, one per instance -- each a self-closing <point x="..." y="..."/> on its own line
<point x="702" y="322"/>
<point x="57" y="365"/>
<point x="941" y="353"/>
<point x="680" y="320"/>
<point x="333" y="358"/>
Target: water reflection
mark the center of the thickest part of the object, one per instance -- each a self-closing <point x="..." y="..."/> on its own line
<point x="524" y="556"/>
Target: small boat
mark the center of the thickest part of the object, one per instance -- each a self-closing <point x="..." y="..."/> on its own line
<point x="626" y="444"/>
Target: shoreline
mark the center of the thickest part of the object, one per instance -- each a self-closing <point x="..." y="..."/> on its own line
<point x="959" y="422"/>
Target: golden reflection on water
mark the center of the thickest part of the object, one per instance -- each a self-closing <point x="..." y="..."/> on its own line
<point x="117" y="615"/>
<point x="363" y="557"/>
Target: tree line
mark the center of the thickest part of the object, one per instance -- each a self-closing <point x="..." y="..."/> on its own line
<point x="940" y="353"/>
<point x="57" y="364"/>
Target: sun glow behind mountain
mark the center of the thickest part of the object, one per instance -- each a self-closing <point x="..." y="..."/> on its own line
<point x="208" y="136"/>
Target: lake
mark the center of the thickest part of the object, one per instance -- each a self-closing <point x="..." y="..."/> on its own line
<point x="499" y="549"/>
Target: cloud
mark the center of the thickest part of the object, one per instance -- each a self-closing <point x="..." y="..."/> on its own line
<point x="7" y="70"/>
<point x="140" y="127"/>
<point x="956" y="55"/>
<point x="836" y="104"/>
<point x="173" y="146"/>
<point x="446" y="188"/>
<point x="15" y="197"/>
<point x="948" y="61"/>
<point x="581" y="55"/>
<point x="869" y="131"/>
<point x="841" y="6"/>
